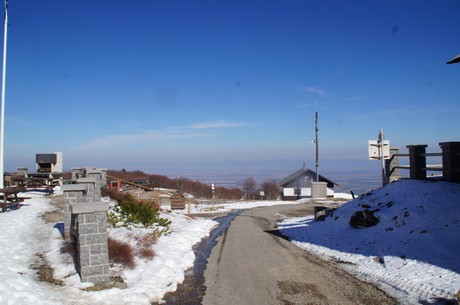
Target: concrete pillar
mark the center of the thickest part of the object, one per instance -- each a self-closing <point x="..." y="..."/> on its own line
<point x="94" y="191"/>
<point x="391" y="166"/>
<point x="73" y="193"/>
<point x="417" y="161"/>
<point x="89" y="221"/>
<point x="98" y="176"/>
<point x="451" y="161"/>
<point x="103" y="172"/>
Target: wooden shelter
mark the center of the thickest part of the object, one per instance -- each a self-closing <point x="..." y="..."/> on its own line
<point x="177" y="201"/>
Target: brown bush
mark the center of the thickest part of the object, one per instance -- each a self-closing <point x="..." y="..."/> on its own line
<point x="144" y="245"/>
<point x="121" y="253"/>
<point x="182" y="184"/>
<point x="147" y="253"/>
<point x="116" y="195"/>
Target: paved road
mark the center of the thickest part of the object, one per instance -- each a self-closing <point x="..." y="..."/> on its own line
<point x="251" y="265"/>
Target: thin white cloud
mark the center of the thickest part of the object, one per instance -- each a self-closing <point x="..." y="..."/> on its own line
<point x="197" y="130"/>
<point x="357" y="98"/>
<point x="314" y="90"/>
<point x="216" y="124"/>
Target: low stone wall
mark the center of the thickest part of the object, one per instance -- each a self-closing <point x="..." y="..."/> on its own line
<point x="85" y="223"/>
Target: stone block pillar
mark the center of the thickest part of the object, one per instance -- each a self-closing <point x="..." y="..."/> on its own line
<point x="103" y="172"/>
<point x="78" y="172"/>
<point x="98" y="176"/>
<point x="451" y="161"/>
<point x="89" y="223"/>
<point x="417" y="161"/>
<point x="94" y="192"/>
<point x="73" y="193"/>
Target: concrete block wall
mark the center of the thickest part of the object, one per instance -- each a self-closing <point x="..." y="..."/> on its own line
<point x="89" y="223"/>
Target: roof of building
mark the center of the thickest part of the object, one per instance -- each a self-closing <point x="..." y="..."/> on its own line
<point x="300" y="172"/>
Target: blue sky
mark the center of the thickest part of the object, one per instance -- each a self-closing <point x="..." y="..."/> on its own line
<point x="155" y="85"/>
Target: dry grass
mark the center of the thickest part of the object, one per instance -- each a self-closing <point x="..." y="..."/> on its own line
<point x="121" y="253"/>
<point x="116" y="195"/>
<point x="44" y="271"/>
<point x="56" y="215"/>
<point x="144" y="246"/>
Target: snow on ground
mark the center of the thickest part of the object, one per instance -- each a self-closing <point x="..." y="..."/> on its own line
<point x="27" y="241"/>
<point x="243" y="205"/>
<point x="24" y="234"/>
<point x="412" y="254"/>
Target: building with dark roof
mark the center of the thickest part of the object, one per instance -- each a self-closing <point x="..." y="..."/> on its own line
<point x="299" y="184"/>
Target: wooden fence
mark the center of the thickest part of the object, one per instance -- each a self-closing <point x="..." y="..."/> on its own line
<point x="418" y="166"/>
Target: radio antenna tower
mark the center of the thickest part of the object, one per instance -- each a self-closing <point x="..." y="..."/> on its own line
<point x="316" y="142"/>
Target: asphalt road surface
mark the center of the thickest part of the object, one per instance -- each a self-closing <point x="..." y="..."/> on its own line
<point x="252" y="265"/>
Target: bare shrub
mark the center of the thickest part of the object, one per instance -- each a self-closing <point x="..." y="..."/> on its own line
<point x="121" y="253"/>
<point x="147" y="253"/>
<point x="116" y="195"/>
<point x="144" y="245"/>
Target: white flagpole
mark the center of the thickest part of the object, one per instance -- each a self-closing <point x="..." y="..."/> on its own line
<point x="2" y="115"/>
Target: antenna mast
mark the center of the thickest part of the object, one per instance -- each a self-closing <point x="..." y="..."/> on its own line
<point x="2" y="114"/>
<point x="316" y="141"/>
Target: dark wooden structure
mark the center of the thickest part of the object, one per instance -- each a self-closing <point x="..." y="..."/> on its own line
<point x="177" y="201"/>
<point x="9" y="197"/>
<point x="418" y="166"/>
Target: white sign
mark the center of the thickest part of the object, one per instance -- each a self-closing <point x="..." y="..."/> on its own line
<point x="376" y="149"/>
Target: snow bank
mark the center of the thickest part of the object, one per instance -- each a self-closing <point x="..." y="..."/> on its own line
<point x="412" y="253"/>
<point x="24" y="234"/>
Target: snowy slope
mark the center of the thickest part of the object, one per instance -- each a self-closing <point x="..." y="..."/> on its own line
<point x="413" y="252"/>
<point x="24" y="234"/>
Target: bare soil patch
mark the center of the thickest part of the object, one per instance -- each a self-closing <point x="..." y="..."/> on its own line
<point x="56" y="215"/>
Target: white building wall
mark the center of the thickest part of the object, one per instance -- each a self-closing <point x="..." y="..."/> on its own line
<point x="287" y="191"/>
<point x="57" y="168"/>
<point x="304" y="192"/>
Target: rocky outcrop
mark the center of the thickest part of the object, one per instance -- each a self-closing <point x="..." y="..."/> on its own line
<point x="365" y="218"/>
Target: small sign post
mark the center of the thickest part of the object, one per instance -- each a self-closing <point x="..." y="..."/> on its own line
<point x="380" y="150"/>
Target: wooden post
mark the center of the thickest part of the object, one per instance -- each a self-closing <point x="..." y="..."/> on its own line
<point x="417" y="160"/>
<point x="157" y="198"/>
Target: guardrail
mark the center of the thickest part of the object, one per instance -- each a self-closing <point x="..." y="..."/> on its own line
<point x="418" y="166"/>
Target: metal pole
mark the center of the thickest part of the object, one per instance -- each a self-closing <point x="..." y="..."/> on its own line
<point x="316" y="141"/>
<point x="381" y="138"/>
<point x="2" y="115"/>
